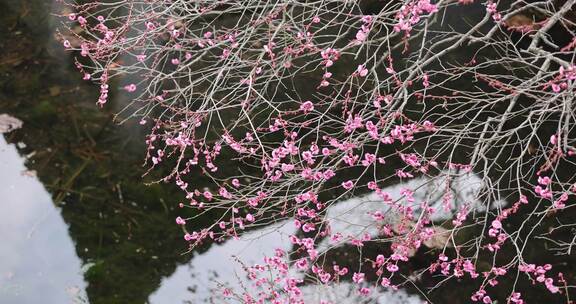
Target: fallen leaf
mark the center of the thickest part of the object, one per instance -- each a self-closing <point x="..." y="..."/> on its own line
<point x="9" y="123"/>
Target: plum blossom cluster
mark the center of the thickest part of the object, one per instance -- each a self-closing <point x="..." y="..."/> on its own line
<point x="491" y="7"/>
<point x="411" y="13"/>
<point x="364" y="30"/>
<point x="539" y="272"/>
<point x="269" y="111"/>
<point x="565" y="75"/>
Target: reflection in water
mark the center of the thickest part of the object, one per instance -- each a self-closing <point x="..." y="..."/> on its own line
<point x="197" y="281"/>
<point x="353" y="217"/>
<point x="218" y="265"/>
<point x="38" y="263"/>
<point x="347" y="293"/>
<point x="122" y="231"/>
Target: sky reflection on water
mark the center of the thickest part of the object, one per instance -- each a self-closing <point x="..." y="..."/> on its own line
<point x="38" y="263"/>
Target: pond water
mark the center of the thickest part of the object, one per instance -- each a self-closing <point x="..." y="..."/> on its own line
<point x="39" y="262"/>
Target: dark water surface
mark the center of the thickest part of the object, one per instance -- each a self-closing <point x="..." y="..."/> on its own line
<point x="84" y="227"/>
<point x="77" y="223"/>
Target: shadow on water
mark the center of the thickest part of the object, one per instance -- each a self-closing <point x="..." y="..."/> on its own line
<point x="123" y="231"/>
